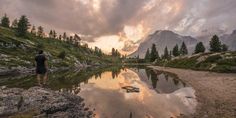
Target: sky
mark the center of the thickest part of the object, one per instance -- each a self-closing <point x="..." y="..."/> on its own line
<point x="124" y="24"/>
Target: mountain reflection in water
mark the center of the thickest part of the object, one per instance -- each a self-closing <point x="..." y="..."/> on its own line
<point x="161" y="94"/>
<point x="155" y="94"/>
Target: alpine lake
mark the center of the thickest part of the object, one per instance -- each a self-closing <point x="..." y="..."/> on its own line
<point x="120" y="92"/>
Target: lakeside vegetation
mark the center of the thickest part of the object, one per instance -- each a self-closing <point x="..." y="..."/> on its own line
<point x="217" y="62"/>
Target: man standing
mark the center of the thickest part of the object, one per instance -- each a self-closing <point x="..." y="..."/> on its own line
<point x="41" y="67"/>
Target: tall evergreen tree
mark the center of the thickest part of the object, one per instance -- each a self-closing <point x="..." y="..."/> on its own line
<point x="97" y="51"/>
<point x="166" y="54"/>
<point x="176" y="51"/>
<point x="183" y="49"/>
<point x="71" y="39"/>
<point x="215" y="44"/>
<point x="54" y="34"/>
<point x="154" y="54"/>
<point x="64" y="36"/>
<point x="147" y="56"/>
<point x="5" y="22"/>
<point x="50" y="34"/>
<point x="100" y="53"/>
<point x="224" y="48"/>
<point x="60" y="37"/>
<point x="77" y="39"/>
<point x="113" y="52"/>
<point x="117" y="53"/>
<point x="199" y="48"/>
<point x="14" y="24"/>
<point x="40" y="32"/>
<point x="33" y="30"/>
<point x="23" y="26"/>
<point x="170" y="55"/>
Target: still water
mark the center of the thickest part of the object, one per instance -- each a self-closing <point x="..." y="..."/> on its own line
<point x="123" y="92"/>
<point x="161" y="95"/>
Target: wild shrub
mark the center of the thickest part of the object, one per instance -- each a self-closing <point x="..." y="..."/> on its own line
<point x="213" y="59"/>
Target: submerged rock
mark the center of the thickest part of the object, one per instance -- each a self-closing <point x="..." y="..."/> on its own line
<point x="45" y="102"/>
<point x="131" y="89"/>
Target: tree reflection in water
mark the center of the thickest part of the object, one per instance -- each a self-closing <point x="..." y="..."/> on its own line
<point x="70" y="80"/>
<point x="163" y="82"/>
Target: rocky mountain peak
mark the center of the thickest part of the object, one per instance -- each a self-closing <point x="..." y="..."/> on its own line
<point x="234" y="32"/>
<point x="161" y="39"/>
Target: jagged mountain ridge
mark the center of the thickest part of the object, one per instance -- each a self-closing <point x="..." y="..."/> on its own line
<point x="163" y="38"/>
<point x="229" y="40"/>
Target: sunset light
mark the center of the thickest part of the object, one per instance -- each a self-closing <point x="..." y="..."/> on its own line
<point x="117" y="58"/>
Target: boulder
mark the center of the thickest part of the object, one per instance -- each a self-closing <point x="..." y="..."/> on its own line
<point x="48" y="103"/>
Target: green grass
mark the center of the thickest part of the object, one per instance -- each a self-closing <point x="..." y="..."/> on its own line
<point x="221" y="62"/>
<point x="26" y="48"/>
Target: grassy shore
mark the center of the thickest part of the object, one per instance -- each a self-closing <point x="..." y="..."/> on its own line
<point x="217" y="62"/>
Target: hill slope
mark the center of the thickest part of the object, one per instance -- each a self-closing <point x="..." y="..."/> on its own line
<point x="17" y="52"/>
<point x="217" y="62"/>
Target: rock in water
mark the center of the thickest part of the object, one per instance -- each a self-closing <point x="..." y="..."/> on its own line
<point x="46" y="102"/>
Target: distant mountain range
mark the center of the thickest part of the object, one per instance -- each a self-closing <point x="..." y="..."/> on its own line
<point x="229" y="40"/>
<point x="163" y="38"/>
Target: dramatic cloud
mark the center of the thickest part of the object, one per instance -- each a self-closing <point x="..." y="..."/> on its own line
<point x="125" y="22"/>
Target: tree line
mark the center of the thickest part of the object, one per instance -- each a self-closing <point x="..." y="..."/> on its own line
<point x="215" y="46"/>
<point x="22" y="28"/>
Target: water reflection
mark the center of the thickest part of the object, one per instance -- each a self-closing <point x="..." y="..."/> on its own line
<point x="151" y="94"/>
<point x="111" y="101"/>
<point x="162" y="82"/>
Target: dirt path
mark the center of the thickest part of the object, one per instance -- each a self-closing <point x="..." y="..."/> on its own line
<point x="216" y="92"/>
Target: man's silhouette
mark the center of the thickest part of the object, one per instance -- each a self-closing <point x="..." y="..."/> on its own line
<point x="41" y="67"/>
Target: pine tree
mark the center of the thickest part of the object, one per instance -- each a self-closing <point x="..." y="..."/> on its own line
<point x="176" y="51"/>
<point x="14" y="24"/>
<point x="54" y="34"/>
<point x="183" y="49"/>
<point x="215" y="44"/>
<point x="166" y="54"/>
<point x="98" y="51"/>
<point x="60" y="37"/>
<point x="224" y="48"/>
<point x="77" y="40"/>
<point x="64" y="36"/>
<point x="113" y="51"/>
<point x="5" y="22"/>
<point x="40" y="32"/>
<point x="50" y="34"/>
<point x="117" y="53"/>
<point x="147" y="56"/>
<point x="199" y="48"/>
<point x="71" y="40"/>
<point x="22" y="26"/>
<point x="154" y="54"/>
<point x="33" y="30"/>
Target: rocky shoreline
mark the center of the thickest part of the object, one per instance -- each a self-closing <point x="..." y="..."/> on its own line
<point x="216" y="92"/>
<point x="41" y="102"/>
